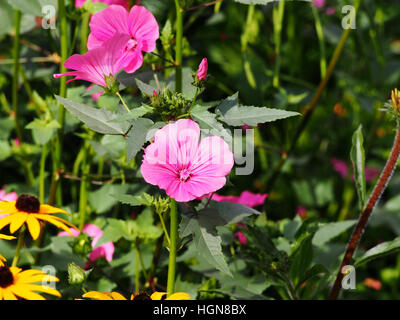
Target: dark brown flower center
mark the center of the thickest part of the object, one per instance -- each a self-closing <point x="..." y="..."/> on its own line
<point x="6" y="277"/>
<point x="27" y="203"/>
<point x="142" y="296"/>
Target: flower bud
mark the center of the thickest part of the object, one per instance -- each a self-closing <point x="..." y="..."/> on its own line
<point x="202" y="70"/>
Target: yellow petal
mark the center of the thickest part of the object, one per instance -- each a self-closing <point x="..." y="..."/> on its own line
<point x="8" y="295"/>
<point x="157" y="295"/>
<point x="17" y="221"/>
<point x="179" y="296"/>
<point x="5" y="221"/>
<point x="2" y="260"/>
<point x="7" y="207"/>
<point x="47" y="209"/>
<point x="96" y="295"/>
<point x="21" y="291"/>
<point x="117" y="296"/>
<point x="33" y="226"/>
<point x="44" y="289"/>
<point x="5" y="237"/>
<point x="52" y="220"/>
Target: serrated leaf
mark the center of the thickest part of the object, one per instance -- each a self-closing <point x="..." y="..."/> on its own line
<point x="302" y="259"/>
<point x="330" y="231"/>
<point x="98" y="120"/>
<point x="137" y="136"/>
<point x="232" y="114"/>
<point x="380" y="250"/>
<point x="357" y="156"/>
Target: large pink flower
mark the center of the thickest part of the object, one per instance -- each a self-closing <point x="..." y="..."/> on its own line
<point x="139" y="24"/>
<point x="246" y="198"/>
<point x="98" y="63"/>
<point x="124" y="3"/>
<point x="105" y="250"/>
<point x="184" y="167"/>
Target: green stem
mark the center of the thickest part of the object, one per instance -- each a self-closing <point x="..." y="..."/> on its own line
<point x="84" y="32"/>
<point x="16" y="66"/>
<point x="62" y="18"/>
<point x="137" y="272"/>
<point x="42" y="173"/>
<point x="164" y="228"/>
<point x="123" y="102"/>
<point x="320" y="35"/>
<point x="83" y="191"/>
<point x="178" y="47"/>
<point x="173" y="246"/>
<point x="277" y="15"/>
<point x="19" y="246"/>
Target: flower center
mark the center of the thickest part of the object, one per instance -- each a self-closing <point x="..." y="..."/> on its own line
<point x="184" y="175"/>
<point x="6" y="277"/>
<point x="142" y="296"/>
<point x="131" y="45"/>
<point x="27" y="203"/>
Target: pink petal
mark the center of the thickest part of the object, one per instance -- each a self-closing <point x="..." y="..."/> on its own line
<point x="74" y="232"/>
<point x="12" y="196"/>
<point x="202" y="71"/>
<point x="104" y="24"/>
<point x="340" y="167"/>
<point x="106" y="251"/>
<point x="143" y="27"/>
<point x="239" y="236"/>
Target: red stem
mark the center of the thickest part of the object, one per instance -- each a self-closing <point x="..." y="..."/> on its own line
<point x="366" y="213"/>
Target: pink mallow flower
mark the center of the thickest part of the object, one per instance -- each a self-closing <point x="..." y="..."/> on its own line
<point x="97" y="64"/>
<point x="318" y="3"/>
<point x="184" y="167"/>
<point x="106" y="250"/>
<point x="12" y="196"/>
<point x="330" y="11"/>
<point x="202" y="70"/>
<point x="139" y="25"/>
<point x="124" y="3"/>
<point x="341" y="167"/>
<point x="239" y="236"/>
<point x="246" y="198"/>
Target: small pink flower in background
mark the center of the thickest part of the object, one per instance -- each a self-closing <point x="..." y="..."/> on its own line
<point x="318" y="3"/>
<point x="12" y="196"/>
<point x="202" y="70"/>
<point x="139" y="24"/>
<point x="373" y="283"/>
<point x="184" y="167"/>
<point x="98" y="63"/>
<point x="96" y="95"/>
<point x="106" y="250"/>
<point x="17" y="142"/>
<point x="302" y="211"/>
<point x="330" y="11"/>
<point x="341" y="167"/>
<point x="124" y="3"/>
<point x="246" y="198"/>
<point x="239" y="236"/>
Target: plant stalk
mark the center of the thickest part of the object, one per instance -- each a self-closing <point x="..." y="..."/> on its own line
<point x="173" y="246"/>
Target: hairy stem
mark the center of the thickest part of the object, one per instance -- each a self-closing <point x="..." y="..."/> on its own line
<point x="366" y="213"/>
<point x="178" y="47"/>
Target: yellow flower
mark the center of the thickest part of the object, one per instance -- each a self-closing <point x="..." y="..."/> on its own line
<point x="17" y="283"/>
<point x="27" y="209"/>
<point x="140" y="296"/>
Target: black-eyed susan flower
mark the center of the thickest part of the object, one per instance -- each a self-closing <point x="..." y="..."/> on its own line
<point x="15" y="283"/>
<point x="95" y="295"/>
<point x="27" y="209"/>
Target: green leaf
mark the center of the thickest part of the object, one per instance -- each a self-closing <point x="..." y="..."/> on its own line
<point x="330" y="231"/>
<point x="42" y="130"/>
<point x="231" y="212"/>
<point x="102" y="200"/>
<point x="302" y="259"/>
<point x="98" y="120"/>
<point x="231" y="113"/>
<point x="32" y="7"/>
<point x="265" y="2"/>
<point x="144" y="87"/>
<point x="134" y="114"/>
<point x="312" y="272"/>
<point x="380" y="250"/>
<point x="138" y="136"/>
<point x="5" y="150"/>
<point x="206" y="238"/>
<point x="143" y="199"/>
<point x="357" y="157"/>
